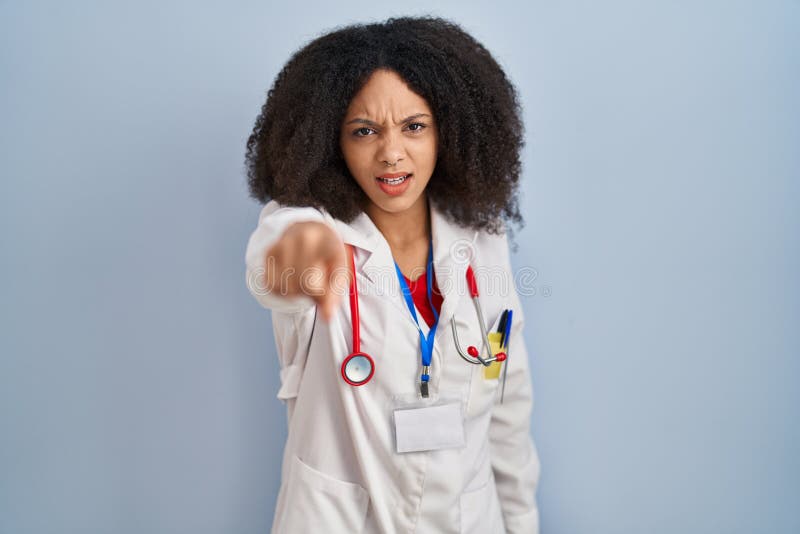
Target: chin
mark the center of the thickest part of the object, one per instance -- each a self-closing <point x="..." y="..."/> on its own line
<point x="397" y="205"/>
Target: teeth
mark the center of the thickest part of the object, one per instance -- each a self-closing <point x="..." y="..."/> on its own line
<point x="394" y="181"/>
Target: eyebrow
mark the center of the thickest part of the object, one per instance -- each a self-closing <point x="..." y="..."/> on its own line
<point x="372" y="123"/>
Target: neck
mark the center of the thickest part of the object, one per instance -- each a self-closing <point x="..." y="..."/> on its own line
<point x="403" y="229"/>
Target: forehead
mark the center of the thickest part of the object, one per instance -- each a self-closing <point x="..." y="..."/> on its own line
<point x="386" y="95"/>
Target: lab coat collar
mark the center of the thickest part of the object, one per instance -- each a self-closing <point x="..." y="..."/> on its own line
<point x="453" y="247"/>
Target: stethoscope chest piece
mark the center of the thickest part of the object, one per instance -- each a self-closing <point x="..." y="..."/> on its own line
<point x="358" y="368"/>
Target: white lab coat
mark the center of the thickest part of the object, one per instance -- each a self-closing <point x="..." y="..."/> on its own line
<point x="340" y="471"/>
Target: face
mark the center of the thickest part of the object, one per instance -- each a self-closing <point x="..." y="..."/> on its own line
<point x="389" y="142"/>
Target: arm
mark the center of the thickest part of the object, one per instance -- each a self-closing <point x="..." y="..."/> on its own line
<point x="273" y="221"/>
<point x="293" y="318"/>
<point x="515" y="461"/>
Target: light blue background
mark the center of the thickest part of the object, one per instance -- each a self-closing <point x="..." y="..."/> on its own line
<point x="661" y="185"/>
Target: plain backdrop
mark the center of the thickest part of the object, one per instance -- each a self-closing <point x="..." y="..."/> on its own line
<point x="661" y="186"/>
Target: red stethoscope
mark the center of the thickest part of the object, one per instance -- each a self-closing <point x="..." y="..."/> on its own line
<point x="358" y="367"/>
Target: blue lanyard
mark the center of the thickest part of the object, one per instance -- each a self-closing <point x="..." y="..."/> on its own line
<point x="426" y="344"/>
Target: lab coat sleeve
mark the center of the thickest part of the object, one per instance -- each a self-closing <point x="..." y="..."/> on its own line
<point x="515" y="460"/>
<point x="273" y="220"/>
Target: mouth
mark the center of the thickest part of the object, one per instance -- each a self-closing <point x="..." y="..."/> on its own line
<point x="393" y="180"/>
<point x="394" y="184"/>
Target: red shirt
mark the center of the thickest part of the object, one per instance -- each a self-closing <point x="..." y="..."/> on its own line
<point x="419" y="292"/>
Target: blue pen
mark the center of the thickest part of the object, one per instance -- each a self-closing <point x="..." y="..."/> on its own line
<point x="501" y="328"/>
<point x="504" y="341"/>
<point x="505" y="345"/>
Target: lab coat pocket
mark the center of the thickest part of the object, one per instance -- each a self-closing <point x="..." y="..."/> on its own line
<point x="480" y="510"/>
<point x="317" y="502"/>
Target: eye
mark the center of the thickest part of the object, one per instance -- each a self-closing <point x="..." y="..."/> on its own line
<point x="419" y="124"/>
<point x="363" y="132"/>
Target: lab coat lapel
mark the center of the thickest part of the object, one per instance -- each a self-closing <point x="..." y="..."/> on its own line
<point x="378" y="266"/>
<point x="453" y="250"/>
<point x="361" y="233"/>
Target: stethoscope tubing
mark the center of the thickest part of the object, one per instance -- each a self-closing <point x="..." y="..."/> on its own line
<point x="354" y="317"/>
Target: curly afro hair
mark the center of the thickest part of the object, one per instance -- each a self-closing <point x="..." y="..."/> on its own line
<point x="293" y="153"/>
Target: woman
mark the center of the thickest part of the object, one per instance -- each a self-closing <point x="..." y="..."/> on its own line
<point x="391" y="151"/>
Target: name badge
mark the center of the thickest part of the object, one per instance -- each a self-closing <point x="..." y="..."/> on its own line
<point x="429" y="428"/>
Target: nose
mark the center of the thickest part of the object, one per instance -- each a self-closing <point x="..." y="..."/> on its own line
<point x="391" y="148"/>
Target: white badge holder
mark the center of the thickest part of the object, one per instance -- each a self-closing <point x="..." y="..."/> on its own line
<point x="428" y="424"/>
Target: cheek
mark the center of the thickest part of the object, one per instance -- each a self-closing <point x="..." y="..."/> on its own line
<point x="357" y="162"/>
<point x="354" y="155"/>
<point x="426" y="154"/>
